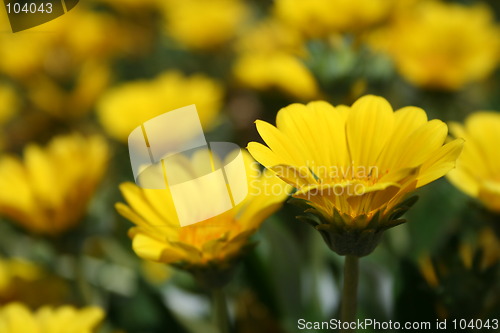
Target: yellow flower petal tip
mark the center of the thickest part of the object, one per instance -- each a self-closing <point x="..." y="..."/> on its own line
<point x="355" y="167"/>
<point x="477" y="171"/>
<point x="16" y="318"/>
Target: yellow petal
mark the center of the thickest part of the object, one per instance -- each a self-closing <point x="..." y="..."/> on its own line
<point x="263" y="154"/>
<point x="297" y="177"/>
<point x="489" y="193"/>
<point x="440" y="163"/>
<point x="17" y="318"/>
<point x="278" y="143"/>
<point x="369" y="126"/>
<point x="483" y="127"/>
<point x="464" y="181"/>
<point x="407" y="121"/>
<point x="423" y="143"/>
<point x="147" y="247"/>
<point x="88" y="318"/>
<point x="135" y="198"/>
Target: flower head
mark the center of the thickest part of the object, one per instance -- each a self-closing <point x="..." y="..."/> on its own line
<point x="17" y="318"/>
<point x="278" y="70"/>
<point x="199" y="24"/>
<point x="127" y="106"/>
<point x="478" y="168"/>
<point x="355" y="166"/>
<point x="49" y="191"/>
<point x="444" y="46"/>
<point x="214" y="243"/>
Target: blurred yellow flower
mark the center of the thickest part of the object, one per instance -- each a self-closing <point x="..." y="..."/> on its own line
<point x="215" y="242"/>
<point x="271" y="35"/>
<point x="21" y="54"/>
<point x="17" y="318"/>
<point x="88" y="34"/>
<point x="444" y="46"/>
<point x="318" y="18"/>
<point x="51" y="96"/>
<point x="200" y="24"/>
<point x="484" y="252"/>
<point x="127" y="106"/>
<point x="49" y="191"/>
<point x="278" y="70"/>
<point x="489" y="246"/>
<point x="478" y="169"/>
<point x="355" y="165"/>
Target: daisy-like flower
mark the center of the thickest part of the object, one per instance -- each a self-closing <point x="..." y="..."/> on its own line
<point x="48" y="192"/>
<point x="17" y="318"/>
<point x="207" y="248"/>
<point x="355" y="167"/>
<point x="441" y="45"/>
<point x="478" y="168"/>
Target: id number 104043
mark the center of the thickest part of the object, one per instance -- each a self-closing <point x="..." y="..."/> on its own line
<point x="29" y="8"/>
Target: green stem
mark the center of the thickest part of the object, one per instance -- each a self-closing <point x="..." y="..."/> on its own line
<point x="350" y="290"/>
<point x="220" y="310"/>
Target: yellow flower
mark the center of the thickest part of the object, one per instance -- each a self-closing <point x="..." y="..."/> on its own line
<point x="200" y="24"/>
<point x="21" y="54"/>
<point x="127" y="106"/>
<point x="88" y="34"/>
<point x="355" y="165"/>
<point x="478" y="169"/>
<point x="213" y="243"/>
<point x="48" y="193"/>
<point x="266" y="70"/>
<point x="444" y="46"/>
<point x="17" y="318"/>
<point x="317" y="18"/>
